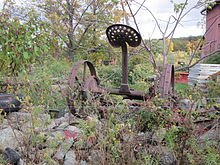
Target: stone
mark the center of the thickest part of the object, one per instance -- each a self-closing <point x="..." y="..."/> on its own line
<point x="23" y="116"/>
<point x="82" y="162"/>
<point x="70" y="158"/>
<point x="55" y="138"/>
<point x="70" y="118"/>
<point x="21" y="162"/>
<point x="4" y="124"/>
<point x="211" y="135"/>
<point x="159" y="135"/>
<point x="52" y="125"/>
<point x="63" y="125"/>
<point x="72" y="132"/>
<point x="73" y="129"/>
<point x="167" y="157"/>
<point x="60" y="120"/>
<point x="144" y="137"/>
<point x="127" y="101"/>
<point x="63" y="149"/>
<point x="10" y="138"/>
<point x="96" y="157"/>
<point x="11" y="156"/>
<point x="186" y="104"/>
<point x="10" y="102"/>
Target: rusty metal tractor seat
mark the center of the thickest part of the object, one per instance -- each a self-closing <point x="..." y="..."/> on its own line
<point x="81" y="82"/>
<point x="118" y="35"/>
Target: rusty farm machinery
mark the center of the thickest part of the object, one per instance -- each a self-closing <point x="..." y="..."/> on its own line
<point x="83" y="78"/>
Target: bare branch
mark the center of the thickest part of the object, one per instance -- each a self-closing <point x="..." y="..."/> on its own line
<point x="124" y="12"/>
<point x="178" y="19"/>
<point x="146" y="47"/>
<point x="155" y="19"/>
<point x="140" y="7"/>
<point x="82" y="15"/>
<point x="201" y="59"/>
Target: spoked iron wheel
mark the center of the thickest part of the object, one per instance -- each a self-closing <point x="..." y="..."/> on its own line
<point x="81" y="79"/>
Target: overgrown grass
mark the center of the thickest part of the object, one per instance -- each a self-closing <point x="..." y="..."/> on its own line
<point x="181" y="86"/>
<point x="37" y="83"/>
<point x="119" y="125"/>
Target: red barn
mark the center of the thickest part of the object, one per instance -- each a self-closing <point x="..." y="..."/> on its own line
<point x="212" y="35"/>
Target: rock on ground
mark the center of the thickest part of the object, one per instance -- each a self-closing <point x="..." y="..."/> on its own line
<point x="70" y="158"/>
<point x="10" y="138"/>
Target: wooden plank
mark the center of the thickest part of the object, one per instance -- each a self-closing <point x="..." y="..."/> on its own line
<point x="199" y="77"/>
<point x="214" y="75"/>
<point x="207" y="65"/>
<point x="200" y="73"/>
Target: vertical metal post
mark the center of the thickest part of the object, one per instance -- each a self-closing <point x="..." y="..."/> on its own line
<point x="124" y="83"/>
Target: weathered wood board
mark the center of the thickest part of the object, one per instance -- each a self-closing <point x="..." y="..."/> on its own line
<point x="200" y="73"/>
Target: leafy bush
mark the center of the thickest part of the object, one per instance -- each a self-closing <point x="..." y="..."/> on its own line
<point x="111" y="76"/>
<point x="140" y="73"/>
<point x="21" y="43"/>
<point x="213" y="90"/>
<point x="215" y="59"/>
<point x="37" y="84"/>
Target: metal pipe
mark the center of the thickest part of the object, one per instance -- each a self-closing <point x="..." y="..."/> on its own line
<point x="124" y="83"/>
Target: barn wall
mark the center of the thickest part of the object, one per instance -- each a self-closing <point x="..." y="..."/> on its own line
<point x="212" y="36"/>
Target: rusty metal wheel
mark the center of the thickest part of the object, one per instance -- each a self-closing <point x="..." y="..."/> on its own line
<point x="81" y="79"/>
<point x="167" y="81"/>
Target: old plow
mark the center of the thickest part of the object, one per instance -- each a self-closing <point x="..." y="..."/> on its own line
<point x="83" y="78"/>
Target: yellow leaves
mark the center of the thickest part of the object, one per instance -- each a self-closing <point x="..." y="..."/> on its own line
<point x="54" y="16"/>
<point x="42" y="134"/>
<point x="190" y="97"/>
<point x="170" y="45"/>
<point x="189" y="47"/>
<point x="119" y="14"/>
<point x="45" y="155"/>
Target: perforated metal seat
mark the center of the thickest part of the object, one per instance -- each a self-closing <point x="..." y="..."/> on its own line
<point x="118" y="34"/>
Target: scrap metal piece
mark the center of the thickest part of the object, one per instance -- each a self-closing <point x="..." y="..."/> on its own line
<point x="78" y="83"/>
<point x="167" y="81"/>
<point x="10" y="102"/>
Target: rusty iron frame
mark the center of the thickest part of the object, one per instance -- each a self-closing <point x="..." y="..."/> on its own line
<point x="119" y="36"/>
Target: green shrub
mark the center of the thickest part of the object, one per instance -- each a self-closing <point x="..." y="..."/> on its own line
<point x="111" y="76"/>
<point x="213" y="90"/>
<point x="215" y="59"/>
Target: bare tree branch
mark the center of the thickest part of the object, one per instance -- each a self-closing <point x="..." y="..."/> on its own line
<point x="201" y="59"/>
<point x="140" y="7"/>
<point x="124" y="12"/>
<point x="155" y="19"/>
<point x="146" y="47"/>
<point x="200" y="42"/>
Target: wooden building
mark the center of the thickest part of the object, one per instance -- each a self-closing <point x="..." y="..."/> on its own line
<point x="212" y="35"/>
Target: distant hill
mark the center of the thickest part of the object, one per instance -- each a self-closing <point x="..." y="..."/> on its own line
<point x="180" y="43"/>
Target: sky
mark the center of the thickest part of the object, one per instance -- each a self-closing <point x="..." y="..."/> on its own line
<point x="163" y="9"/>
